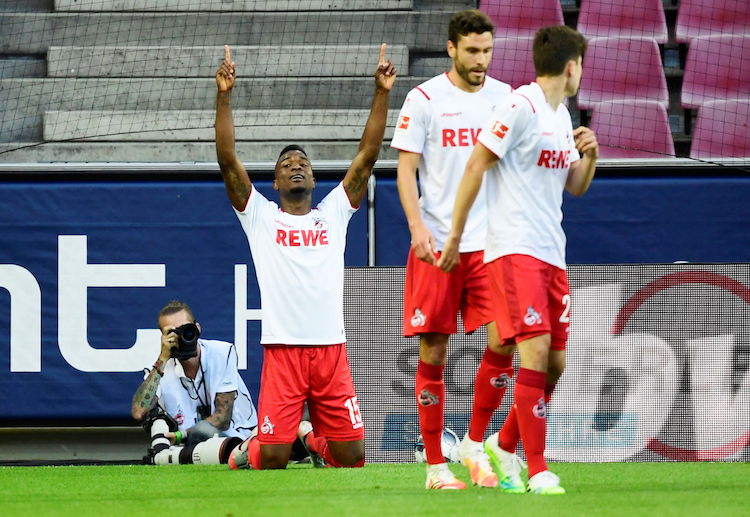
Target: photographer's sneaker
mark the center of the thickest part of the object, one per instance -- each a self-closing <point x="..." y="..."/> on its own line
<point x="440" y="477"/>
<point x="303" y="430"/>
<point x="545" y="483"/>
<point x="476" y="460"/>
<point x="507" y="465"/>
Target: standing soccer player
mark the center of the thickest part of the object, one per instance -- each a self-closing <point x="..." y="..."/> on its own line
<point x="435" y="134"/>
<point x="533" y="152"/>
<point x="298" y="251"/>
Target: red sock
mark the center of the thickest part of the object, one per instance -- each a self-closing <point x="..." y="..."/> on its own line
<point x="493" y="377"/>
<point x="430" y="391"/>
<point x="319" y="445"/>
<point x="253" y="453"/>
<point x="532" y="417"/>
<point x="509" y="434"/>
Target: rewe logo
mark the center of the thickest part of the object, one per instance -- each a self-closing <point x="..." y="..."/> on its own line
<point x="305" y="238"/>
<point x="461" y="137"/>
<point x="554" y="159"/>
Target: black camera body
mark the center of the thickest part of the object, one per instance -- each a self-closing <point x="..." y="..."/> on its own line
<point x="187" y="338"/>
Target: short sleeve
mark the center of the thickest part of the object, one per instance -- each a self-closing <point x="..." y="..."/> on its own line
<point x="506" y="126"/>
<point x="413" y="123"/>
<point x="337" y="202"/>
<point x="256" y="205"/>
<point x="227" y="381"/>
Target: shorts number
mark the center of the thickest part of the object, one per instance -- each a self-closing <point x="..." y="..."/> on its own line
<point x="353" y="406"/>
<point x="565" y="316"/>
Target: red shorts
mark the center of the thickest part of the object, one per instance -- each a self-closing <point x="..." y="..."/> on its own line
<point x="318" y="375"/>
<point x="531" y="298"/>
<point x="433" y="298"/>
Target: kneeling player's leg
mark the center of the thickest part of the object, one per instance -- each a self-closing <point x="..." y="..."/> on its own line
<point x="283" y="387"/>
<point x="338" y="435"/>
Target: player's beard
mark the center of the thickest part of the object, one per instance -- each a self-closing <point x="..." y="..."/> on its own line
<point x="465" y="73"/>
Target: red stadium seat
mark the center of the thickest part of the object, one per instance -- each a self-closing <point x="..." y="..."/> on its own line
<point x="627" y="129"/>
<point x="622" y="69"/>
<point x="619" y="19"/>
<point x="513" y="18"/>
<point x="512" y="61"/>
<point x="717" y="68"/>
<point x="699" y="18"/>
<point x="722" y="130"/>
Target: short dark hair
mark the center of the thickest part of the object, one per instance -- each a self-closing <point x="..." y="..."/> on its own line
<point x="173" y="307"/>
<point x="465" y="22"/>
<point x="292" y="147"/>
<point x="554" y="46"/>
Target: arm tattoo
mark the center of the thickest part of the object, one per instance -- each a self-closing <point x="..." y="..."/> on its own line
<point x="224" y="403"/>
<point x="357" y="183"/>
<point x="146" y="394"/>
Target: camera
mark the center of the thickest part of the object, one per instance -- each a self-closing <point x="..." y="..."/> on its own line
<point x="187" y="337"/>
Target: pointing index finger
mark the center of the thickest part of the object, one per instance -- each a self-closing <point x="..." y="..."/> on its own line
<point x="227" y="54"/>
<point x="381" y="59"/>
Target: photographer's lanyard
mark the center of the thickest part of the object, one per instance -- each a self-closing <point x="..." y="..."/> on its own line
<point x="189" y="385"/>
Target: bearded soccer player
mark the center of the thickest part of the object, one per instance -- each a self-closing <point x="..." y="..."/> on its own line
<point x="435" y="134"/>
<point x="532" y="152"/>
<point x="298" y="251"/>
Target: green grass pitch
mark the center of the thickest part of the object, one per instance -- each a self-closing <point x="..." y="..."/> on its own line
<point x="609" y="489"/>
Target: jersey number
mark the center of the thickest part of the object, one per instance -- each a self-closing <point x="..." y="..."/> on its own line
<point x="353" y="406"/>
<point x="565" y="316"/>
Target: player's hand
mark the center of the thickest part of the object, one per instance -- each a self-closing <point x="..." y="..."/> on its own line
<point x="226" y="75"/>
<point x="449" y="258"/>
<point x="423" y="244"/>
<point x="586" y="142"/>
<point x="168" y="340"/>
<point x="385" y="73"/>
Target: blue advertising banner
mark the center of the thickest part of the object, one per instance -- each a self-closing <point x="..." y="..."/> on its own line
<point x="85" y="268"/>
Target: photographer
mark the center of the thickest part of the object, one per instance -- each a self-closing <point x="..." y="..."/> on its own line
<point x="192" y="402"/>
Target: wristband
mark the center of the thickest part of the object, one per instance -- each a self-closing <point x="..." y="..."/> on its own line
<point x="158" y="368"/>
<point x="177" y="437"/>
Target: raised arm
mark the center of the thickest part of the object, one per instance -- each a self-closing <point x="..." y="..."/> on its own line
<point x="480" y="160"/>
<point x="236" y="179"/>
<point x="355" y="181"/>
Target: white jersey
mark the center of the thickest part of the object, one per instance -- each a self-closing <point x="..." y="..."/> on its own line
<point x="181" y="396"/>
<point x="535" y="146"/>
<point x="299" y="262"/>
<point x="441" y="122"/>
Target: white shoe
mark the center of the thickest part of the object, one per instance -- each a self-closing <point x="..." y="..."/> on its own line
<point x="507" y="465"/>
<point x="440" y="477"/>
<point x="476" y="460"/>
<point x="545" y="483"/>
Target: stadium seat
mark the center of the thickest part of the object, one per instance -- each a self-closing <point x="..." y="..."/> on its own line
<point x="717" y="68"/>
<point x="627" y="129"/>
<point x="512" y="61"/>
<point x="619" y="19"/>
<point x="699" y="18"/>
<point x="722" y="130"/>
<point x="515" y="19"/>
<point x="622" y="69"/>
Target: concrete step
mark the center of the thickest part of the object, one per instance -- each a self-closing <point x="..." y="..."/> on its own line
<point x="260" y="61"/>
<point x="23" y="101"/>
<point x="22" y="67"/>
<point x="253" y="125"/>
<point x="174" y="152"/>
<point x="59" y="444"/>
<point x="232" y="5"/>
<point x="34" y="33"/>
